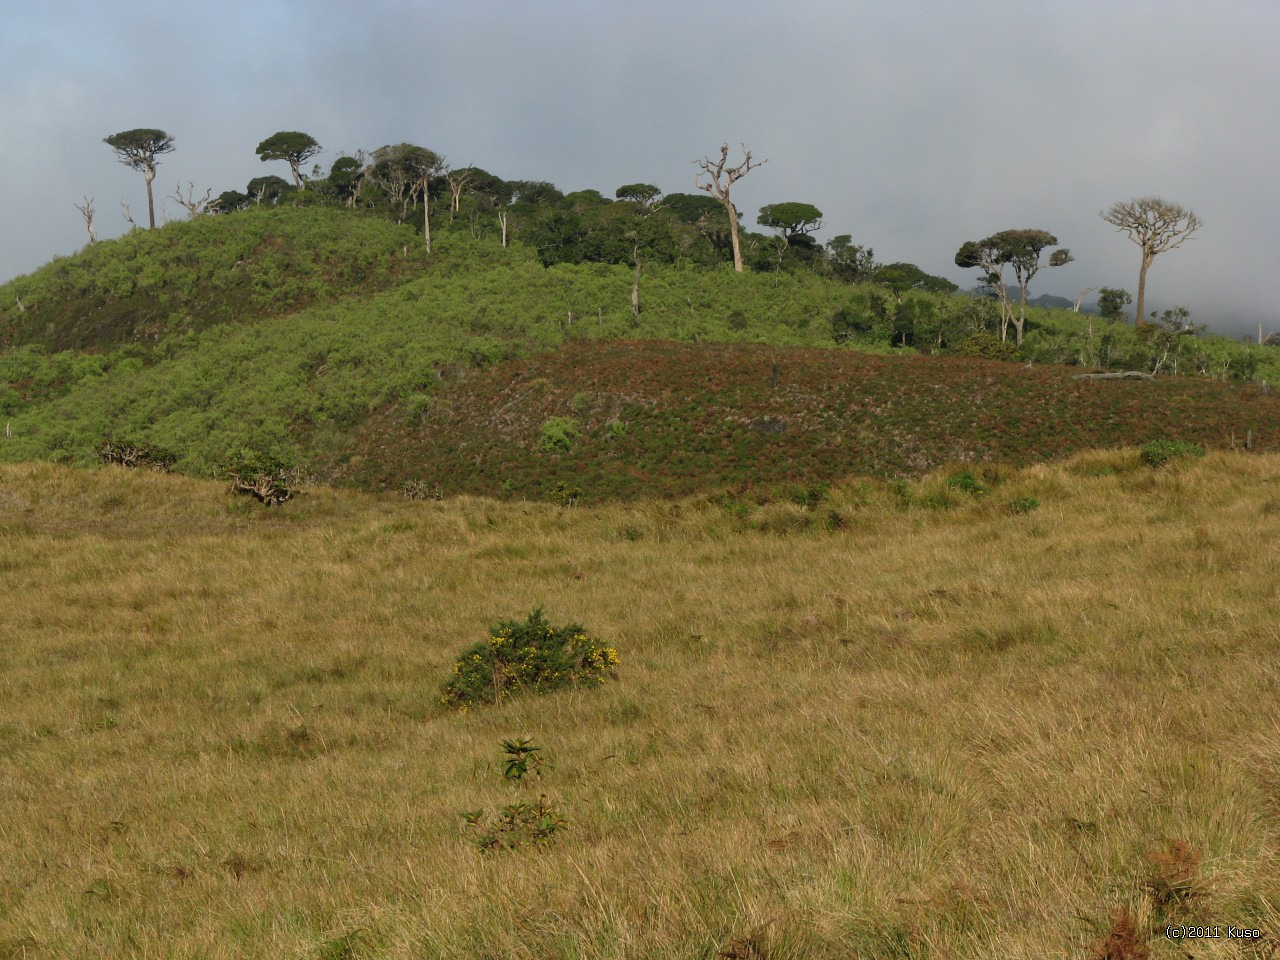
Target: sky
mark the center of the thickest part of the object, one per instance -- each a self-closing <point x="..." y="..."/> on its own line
<point x="913" y="126"/>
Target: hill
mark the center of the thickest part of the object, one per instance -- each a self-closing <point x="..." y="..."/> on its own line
<point x="972" y="732"/>
<point x="325" y="338"/>
<point x="189" y="276"/>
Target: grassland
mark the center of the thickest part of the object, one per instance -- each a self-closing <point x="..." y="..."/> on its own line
<point x="907" y="732"/>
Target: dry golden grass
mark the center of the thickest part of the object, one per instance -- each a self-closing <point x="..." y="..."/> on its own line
<point x="928" y="733"/>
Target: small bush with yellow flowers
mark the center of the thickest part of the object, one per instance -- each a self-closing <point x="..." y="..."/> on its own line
<point x="528" y="657"/>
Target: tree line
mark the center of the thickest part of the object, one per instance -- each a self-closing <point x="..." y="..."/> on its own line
<point x="641" y="225"/>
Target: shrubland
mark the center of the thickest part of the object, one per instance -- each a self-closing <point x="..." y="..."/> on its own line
<point x="315" y="336"/>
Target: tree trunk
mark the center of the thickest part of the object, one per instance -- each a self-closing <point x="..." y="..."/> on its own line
<point x="149" y="175"/>
<point x="733" y="234"/>
<point x="426" y="215"/>
<point x="1139" y="316"/>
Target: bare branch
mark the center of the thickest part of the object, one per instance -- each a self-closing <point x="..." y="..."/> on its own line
<point x="86" y="211"/>
<point x="194" y="207"/>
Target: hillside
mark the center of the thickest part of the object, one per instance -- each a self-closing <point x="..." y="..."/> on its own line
<point x="188" y="276"/>
<point x="966" y="733"/>
<point x="632" y="418"/>
<point x="327" y="339"/>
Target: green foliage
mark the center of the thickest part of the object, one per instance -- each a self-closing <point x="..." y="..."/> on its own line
<point x="1158" y="453"/>
<point x="1023" y="505"/>
<point x="987" y="346"/>
<point x="528" y="657"/>
<point x="1112" y="301"/>
<point x="290" y="145"/>
<point x="522" y="758"/>
<point x="567" y="495"/>
<point x="965" y="480"/>
<point x="265" y="474"/>
<point x="559" y="433"/>
<point x="187" y="276"/>
<point x="791" y="219"/>
<point x="516" y="825"/>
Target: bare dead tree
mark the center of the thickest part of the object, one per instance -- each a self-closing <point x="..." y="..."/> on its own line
<point x="1155" y="225"/>
<point x="502" y="221"/>
<point x="721" y="178"/>
<point x="1084" y="292"/>
<point x="86" y="211"/>
<point x="194" y="207"/>
<point x="458" y="181"/>
<point x="127" y="215"/>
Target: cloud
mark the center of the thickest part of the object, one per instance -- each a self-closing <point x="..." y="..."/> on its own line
<point x="913" y="126"/>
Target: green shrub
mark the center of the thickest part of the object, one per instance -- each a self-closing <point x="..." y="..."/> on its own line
<point x="532" y="657"/>
<point x="567" y="495"/>
<point x="558" y="433"/>
<point x="265" y="476"/>
<point x="1157" y="453"/>
<point x="987" y="346"/>
<point x="966" y="481"/>
<point x="1022" y="505"/>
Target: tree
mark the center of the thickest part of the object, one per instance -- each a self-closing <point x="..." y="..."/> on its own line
<point x="1024" y="249"/>
<point x="297" y="148"/>
<point x="138" y="150"/>
<point x="86" y="211"/>
<point x="850" y="262"/>
<point x="407" y="170"/>
<point x="267" y="189"/>
<point x="722" y="178"/>
<point x="1020" y="249"/>
<point x="791" y="220"/>
<point x="1155" y="225"/>
<point x="989" y="256"/>
<point x="644" y="195"/>
<point x="901" y="277"/>
<point x="1112" y="301"/>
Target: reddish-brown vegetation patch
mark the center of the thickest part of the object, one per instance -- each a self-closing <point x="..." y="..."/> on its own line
<point x="667" y="419"/>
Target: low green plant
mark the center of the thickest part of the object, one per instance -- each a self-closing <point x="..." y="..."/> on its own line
<point x="518" y="824"/>
<point x="559" y="433"/>
<point x="528" y="657"/>
<point x="566" y="494"/>
<point x="1023" y="505"/>
<point x="1157" y="453"/>
<point x="522" y="758"/>
<point x="966" y="481"/>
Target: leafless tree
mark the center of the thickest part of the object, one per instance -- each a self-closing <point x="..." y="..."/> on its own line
<point x="458" y="180"/>
<point x="721" y="178"/>
<point x="1155" y="225"/>
<point x="86" y="211"/>
<point x="127" y="215"/>
<point x="189" y="203"/>
<point x="1084" y="292"/>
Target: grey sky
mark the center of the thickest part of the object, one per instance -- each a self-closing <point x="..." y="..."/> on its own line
<point x="913" y="126"/>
